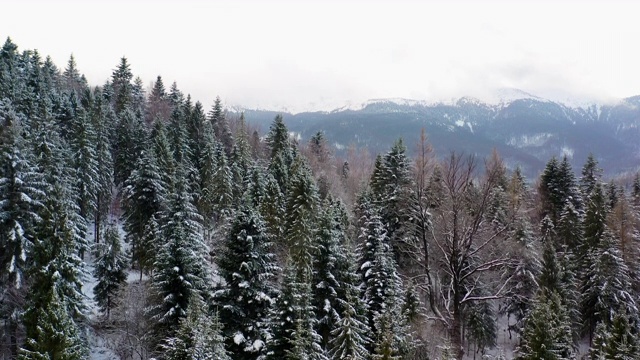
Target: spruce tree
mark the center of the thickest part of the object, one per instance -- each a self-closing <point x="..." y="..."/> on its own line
<point x="218" y="119"/>
<point x="199" y="336"/>
<point x="101" y="115"/>
<point x="617" y="340"/>
<point x="606" y="285"/>
<point x="350" y="338"/>
<point x="85" y="164"/>
<point x="330" y="269"/>
<point x="247" y="266"/>
<point x="109" y="269"/>
<point x="144" y="198"/>
<point x="547" y="331"/>
<point x="180" y="268"/>
<point x="122" y="87"/>
<point x="50" y="331"/>
<point x="21" y="192"/>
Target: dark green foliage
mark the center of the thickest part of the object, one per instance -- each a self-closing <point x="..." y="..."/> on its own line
<point x="292" y="320"/>
<point x="330" y="269"/>
<point x="180" y="268"/>
<point x="617" y="340"/>
<point x="129" y="143"/>
<point x="350" y="338"/>
<point x="591" y="174"/>
<point x="391" y="186"/>
<point x="547" y="331"/>
<point x="199" y="336"/>
<point x="557" y="187"/>
<point x="20" y="191"/>
<point x="218" y="120"/>
<point x="50" y="331"/>
<point x="248" y="268"/>
<point x="109" y="269"/>
<point x="144" y="199"/>
<point x="122" y="87"/>
<point x="301" y="216"/>
<point x="606" y="285"/>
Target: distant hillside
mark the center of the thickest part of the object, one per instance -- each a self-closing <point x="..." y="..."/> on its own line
<point x="527" y="131"/>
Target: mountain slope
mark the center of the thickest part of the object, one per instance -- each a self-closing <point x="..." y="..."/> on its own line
<point x="527" y="131"/>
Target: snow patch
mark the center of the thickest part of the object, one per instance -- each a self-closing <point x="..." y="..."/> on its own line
<point x="238" y="338"/>
<point x="535" y="140"/>
<point x="567" y="151"/>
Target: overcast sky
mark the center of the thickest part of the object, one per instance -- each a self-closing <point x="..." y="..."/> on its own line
<point x="307" y="55"/>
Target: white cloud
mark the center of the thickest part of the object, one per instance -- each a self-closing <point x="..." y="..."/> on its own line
<point x="312" y="54"/>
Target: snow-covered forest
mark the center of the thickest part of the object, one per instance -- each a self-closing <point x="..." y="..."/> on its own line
<point x="139" y="223"/>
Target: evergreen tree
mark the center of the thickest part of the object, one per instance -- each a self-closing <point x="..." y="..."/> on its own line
<point x="218" y="119"/>
<point x="122" y="87"/>
<point x="301" y="217"/>
<point x="391" y="187"/>
<point x="292" y="320"/>
<point x="281" y="154"/>
<point x="522" y="276"/>
<point x="109" y="270"/>
<point x="330" y="270"/>
<point x="199" y="336"/>
<point x="606" y="285"/>
<point x="50" y="331"/>
<point x="350" y="339"/>
<point x="590" y="175"/>
<point x="247" y="266"/>
<point x="557" y="186"/>
<point x="163" y="154"/>
<point x="144" y="198"/>
<point x="20" y="202"/>
<point x="547" y="332"/>
<point x="129" y="143"/>
<point x="180" y="268"/>
<point x="617" y="340"/>
<point x="20" y="194"/>
<point x="101" y="116"/>
<point x="85" y="164"/>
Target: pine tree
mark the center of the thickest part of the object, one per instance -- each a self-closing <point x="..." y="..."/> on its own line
<point x="109" y="270"/>
<point x="281" y="154"/>
<point x="522" y="276"/>
<point x="272" y="208"/>
<point x="20" y="202"/>
<point x="222" y="187"/>
<point x="247" y="266"/>
<point x="163" y="154"/>
<point x="557" y="186"/>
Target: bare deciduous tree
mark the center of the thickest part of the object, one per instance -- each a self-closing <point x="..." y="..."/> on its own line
<point x="466" y="244"/>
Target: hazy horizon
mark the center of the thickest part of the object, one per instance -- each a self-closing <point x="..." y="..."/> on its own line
<point x="308" y="55"/>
